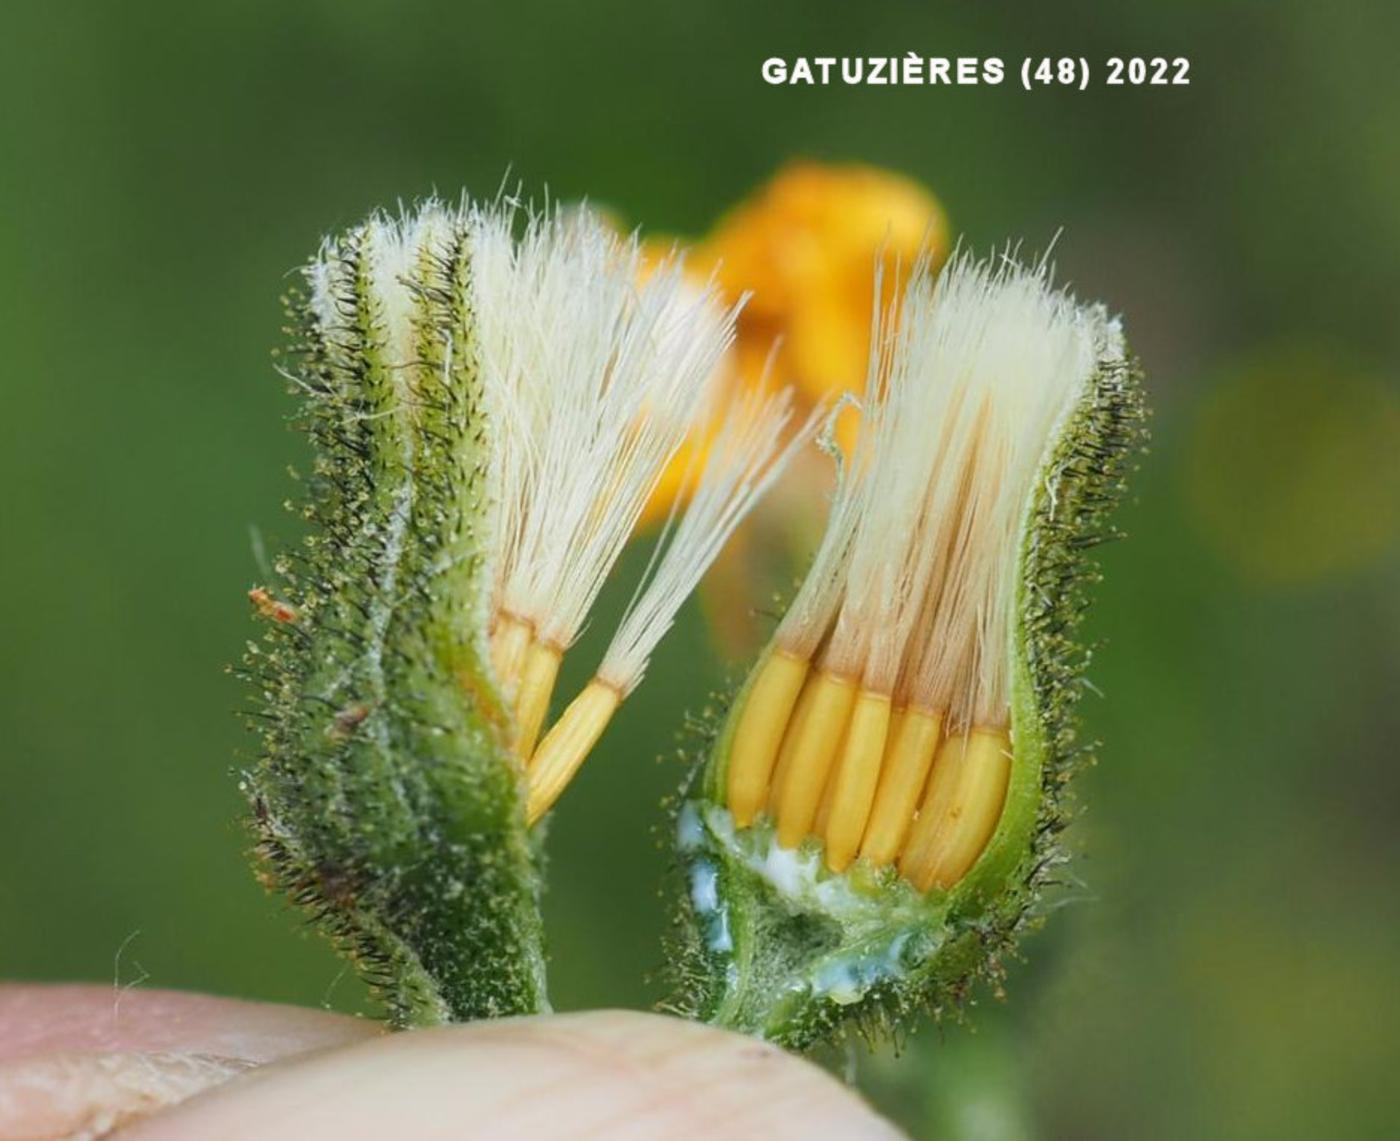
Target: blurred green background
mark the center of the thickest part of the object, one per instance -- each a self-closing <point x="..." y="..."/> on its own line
<point x="1227" y="965"/>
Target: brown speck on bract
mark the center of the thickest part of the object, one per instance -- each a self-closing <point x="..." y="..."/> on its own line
<point x="272" y="608"/>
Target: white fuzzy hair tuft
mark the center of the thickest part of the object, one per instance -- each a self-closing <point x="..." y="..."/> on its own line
<point x="912" y="590"/>
<point x="745" y="459"/>
<point x="595" y="378"/>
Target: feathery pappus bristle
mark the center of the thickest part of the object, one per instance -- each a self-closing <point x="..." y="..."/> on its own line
<point x="600" y="381"/>
<point x="596" y="378"/>
<point x="598" y="367"/>
<point x="746" y="457"/>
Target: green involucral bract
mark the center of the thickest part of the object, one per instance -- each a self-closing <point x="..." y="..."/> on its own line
<point x="385" y="799"/>
<point x="772" y="943"/>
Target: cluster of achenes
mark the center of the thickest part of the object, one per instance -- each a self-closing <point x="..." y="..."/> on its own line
<point x="493" y="397"/>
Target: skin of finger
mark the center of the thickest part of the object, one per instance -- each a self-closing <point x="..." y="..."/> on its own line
<point x="40" y="1019"/>
<point x="613" y="1074"/>
<point x="76" y="1061"/>
<point x="88" y="1095"/>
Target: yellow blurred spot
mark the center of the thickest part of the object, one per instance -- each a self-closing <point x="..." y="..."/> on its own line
<point x="1294" y="467"/>
<point x="804" y="246"/>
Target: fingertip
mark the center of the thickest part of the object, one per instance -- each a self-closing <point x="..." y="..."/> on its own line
<point x="78" y="1061"/>
<point x="45" y="1018"/>
<point x="614" y="1074"/>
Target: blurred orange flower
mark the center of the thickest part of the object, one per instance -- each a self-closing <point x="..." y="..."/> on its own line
<point x="805" y="247"/>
